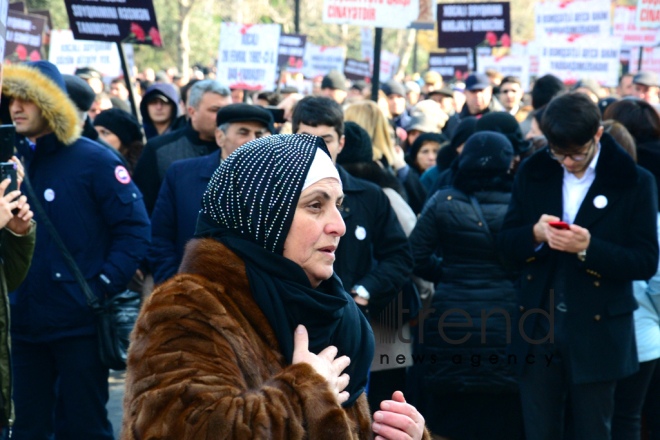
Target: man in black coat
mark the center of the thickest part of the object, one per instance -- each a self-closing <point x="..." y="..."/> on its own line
<point x="196" y="139"/>
<point x="575" y="318"/>
<point x="374" y="258"/>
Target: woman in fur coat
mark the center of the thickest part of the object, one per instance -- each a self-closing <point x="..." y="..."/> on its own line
<point x="256" y="337"/>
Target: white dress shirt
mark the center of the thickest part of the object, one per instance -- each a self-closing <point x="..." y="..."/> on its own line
<point x="574" y="190"/>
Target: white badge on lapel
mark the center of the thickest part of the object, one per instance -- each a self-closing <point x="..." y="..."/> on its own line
<point x="360" y="233"/>
<point x="600" y="202"/>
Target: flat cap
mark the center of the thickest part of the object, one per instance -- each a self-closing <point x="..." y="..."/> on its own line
<point x="243" y="113"/>
<point x="393" y="88"/>
<point x="334" y="80"/>
<point x="589" y="84"/>
<point x="87" y="72"/>
<point x="648" y="79"/>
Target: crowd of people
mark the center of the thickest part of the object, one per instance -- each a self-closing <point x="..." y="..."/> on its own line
<point x="453" y="260"/>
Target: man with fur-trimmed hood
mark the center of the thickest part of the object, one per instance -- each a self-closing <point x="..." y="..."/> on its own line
<point x="99" y="214"/>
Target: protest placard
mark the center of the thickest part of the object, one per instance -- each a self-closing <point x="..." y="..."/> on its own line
<point x="450" y="65"/>
<point x="650" y="59"/>
<point x="291" y="52"/>
<point x="68" y="54"/>
<point x="572" y="57"/>
<point x="572" y="17"/>
<point x="4" y="10"/>
<point x="24" y="37"/>
<point x="386" y="14"/>
<point x="624" y="25"/>
<point x="528" y="49"/>
<point x="319" y="60"/>
<point x="367" y="40"/>
<point x="511" y="65"/>
<point x="474" y="24"/>
<point x="248" y="54"/>
<point x="648" y="13"/>
<point x="357" y="70"/>
<point x="389" y="64"/>
<point x="130" y="21"/>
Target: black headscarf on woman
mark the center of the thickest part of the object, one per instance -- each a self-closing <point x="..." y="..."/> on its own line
<point x="411" y="156"/>
<point x="485" y="164"/>
<point x="249" y="207"/>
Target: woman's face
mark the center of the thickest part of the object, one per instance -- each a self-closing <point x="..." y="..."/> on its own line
<point x="316" y="229"/>
<point x="534" y="130"/>
<point x="109" y="137"/>
<point x="427" y="155"/>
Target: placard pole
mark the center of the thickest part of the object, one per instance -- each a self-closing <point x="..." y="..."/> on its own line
<point x="297" y="16"/>
<point x="129" y="83"/>
<point x="375" y="78"/>
<point x="639" y="61"/>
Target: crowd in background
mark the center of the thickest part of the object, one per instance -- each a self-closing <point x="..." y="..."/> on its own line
<point x="442" y="180"/>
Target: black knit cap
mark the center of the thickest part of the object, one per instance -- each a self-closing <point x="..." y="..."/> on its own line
<point x="334" y="80"/>
<point x="357" y="146"/>
<point x="505" y="123"/>
<point x="122" y="124"/>
<point x="421" y="140"/>
<point x="80" y="92"/>
<point x="465" y="129"/>
<point x="486" y="151"/>
<point x="244" y="113"/>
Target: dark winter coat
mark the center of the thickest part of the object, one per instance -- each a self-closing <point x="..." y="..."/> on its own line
<point x="174" y="218"/>
<point x="648" y="157"/>
<point x="162" y="152"/>
<point x="470" y="277"/>
<point x="623" y="248"/>
<point x="92" y="202"/>
<point x="374" y="252"/>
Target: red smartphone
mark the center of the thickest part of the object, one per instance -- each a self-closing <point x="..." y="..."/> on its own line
<point x="559" y="225"/>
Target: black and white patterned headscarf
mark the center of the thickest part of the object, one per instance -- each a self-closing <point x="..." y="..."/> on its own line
<point x="249" y="206"/>
<point x="255" y="191"/>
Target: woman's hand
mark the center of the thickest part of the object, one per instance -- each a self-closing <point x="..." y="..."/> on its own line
<point x="7" y="203"/>
<point x="20" y="224"/>
<point x="324" y="363"/>
<point x="399" y="158"/>
<point x="398" y="420"/>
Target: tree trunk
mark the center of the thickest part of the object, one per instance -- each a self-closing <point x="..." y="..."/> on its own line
<point x="183" y="53"/>
<point x="406" y="51"/>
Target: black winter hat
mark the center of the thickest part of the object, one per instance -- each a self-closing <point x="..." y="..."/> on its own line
<point x="334" y="80"/>
<point x="486" y="151"/>
<point x="80" y="92"/>
<point x="421" y="140"/>
<point x="357" y="146"/>
<point x="505" y="123"/>
<point x="122" y="124"/>
<point x="394" y="88"/>
<point x="465" y="129"/>
<point x="244" y="113"/>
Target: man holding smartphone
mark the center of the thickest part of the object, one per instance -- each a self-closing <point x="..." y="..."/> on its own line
<point x="575" y="314"/>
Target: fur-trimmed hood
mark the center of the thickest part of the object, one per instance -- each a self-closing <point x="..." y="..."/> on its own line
<point x="28" y="83"/>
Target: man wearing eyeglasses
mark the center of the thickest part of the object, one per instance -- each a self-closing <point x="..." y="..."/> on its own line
<point x="576" y="333"/>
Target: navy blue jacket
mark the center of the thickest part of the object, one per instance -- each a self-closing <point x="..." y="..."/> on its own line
<point x="99" y="213"/>
<point x="175" y="215"/>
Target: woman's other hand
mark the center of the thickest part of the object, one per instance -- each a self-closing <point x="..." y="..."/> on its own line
<point x="324" y="363"/>
<point x="8" y="202"/>
<point x="398" y="420"/>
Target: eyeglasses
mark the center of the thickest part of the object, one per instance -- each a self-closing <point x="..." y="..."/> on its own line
<point x="574" y="157"/>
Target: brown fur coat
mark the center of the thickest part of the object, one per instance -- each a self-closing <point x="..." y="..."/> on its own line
<point x="205" y="364"/>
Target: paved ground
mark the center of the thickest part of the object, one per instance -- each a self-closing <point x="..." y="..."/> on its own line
<point x="116" y="398"/>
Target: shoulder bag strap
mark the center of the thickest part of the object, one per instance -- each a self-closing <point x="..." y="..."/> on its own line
<point x="92" y="300"/>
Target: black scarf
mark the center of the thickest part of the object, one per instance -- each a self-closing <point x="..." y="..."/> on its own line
<point x="249" y="206"/>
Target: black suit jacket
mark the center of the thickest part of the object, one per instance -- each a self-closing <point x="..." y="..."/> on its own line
<point x="623" y="248"/>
